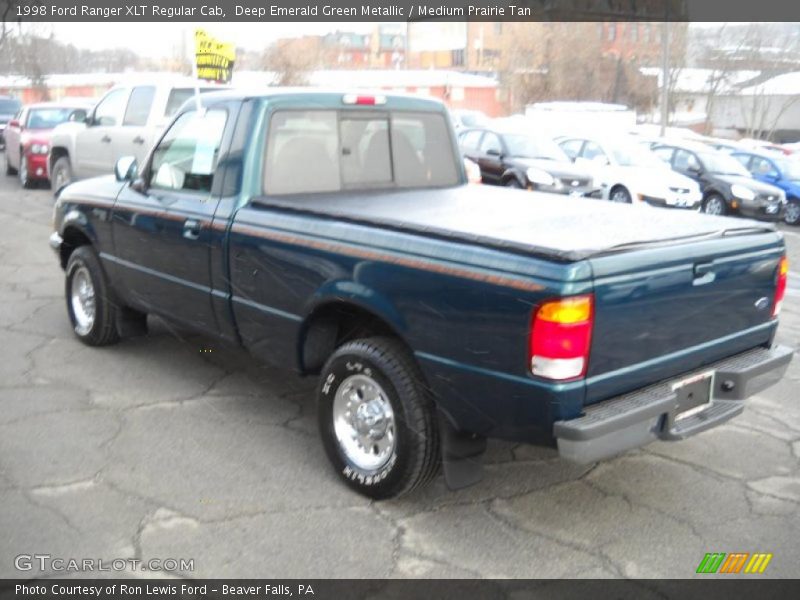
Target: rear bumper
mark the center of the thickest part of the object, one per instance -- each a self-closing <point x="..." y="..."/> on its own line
<point x="648" y="414"/>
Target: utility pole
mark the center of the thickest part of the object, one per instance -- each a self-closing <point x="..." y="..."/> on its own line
<point x="664" y="75"/>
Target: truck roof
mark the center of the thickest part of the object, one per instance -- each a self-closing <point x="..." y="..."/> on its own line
<point x="325" y="98"/>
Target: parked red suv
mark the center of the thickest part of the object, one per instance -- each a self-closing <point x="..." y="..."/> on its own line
<point x="27" y="137"/>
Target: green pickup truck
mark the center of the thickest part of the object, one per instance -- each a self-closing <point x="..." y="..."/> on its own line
<point x="334" y="234"/>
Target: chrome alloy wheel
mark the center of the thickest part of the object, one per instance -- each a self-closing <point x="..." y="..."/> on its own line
<point x="792" y="213"/>
<point x="363" y="421"/>
<point x="82" y="301"/>
<point x="715" y="206"/>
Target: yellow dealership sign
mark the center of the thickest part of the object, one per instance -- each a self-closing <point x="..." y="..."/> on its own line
<point x="213" y="58"/>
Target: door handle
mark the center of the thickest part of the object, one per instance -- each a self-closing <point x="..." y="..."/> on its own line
<point x="704" y="273"/>
<point x="105" y="139"/>
<point x="138" y="140"/>
<point x="191" y="229"/>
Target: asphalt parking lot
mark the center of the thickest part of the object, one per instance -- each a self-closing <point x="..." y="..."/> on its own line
<point x="171" y="446"/>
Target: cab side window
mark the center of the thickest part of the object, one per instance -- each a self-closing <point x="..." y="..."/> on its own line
<point x="139" y="105"/>
<point x="186" y="156"/>
<point x="109" y="112"/>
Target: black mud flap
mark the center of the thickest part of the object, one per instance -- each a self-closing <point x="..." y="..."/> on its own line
<point x="131" y="323"/>
<point x="462" y="456"/>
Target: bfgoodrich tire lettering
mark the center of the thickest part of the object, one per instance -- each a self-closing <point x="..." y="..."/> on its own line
<point x="398" y="387"/>
<point x="94" y="322"/>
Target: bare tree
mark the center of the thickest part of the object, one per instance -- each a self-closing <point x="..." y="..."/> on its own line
<point x="566" y="61"/>
<point x="765" y="51"/>
<point x="292" y="60"/>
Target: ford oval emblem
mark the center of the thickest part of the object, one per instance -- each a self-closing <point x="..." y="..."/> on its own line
<point x="762" y="303"/>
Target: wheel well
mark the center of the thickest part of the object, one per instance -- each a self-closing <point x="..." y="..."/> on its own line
<point x="618" y="186"/>
<point x="332" y="325"/>
<point x="55" y="154"/>
<point x="71" y="239"/>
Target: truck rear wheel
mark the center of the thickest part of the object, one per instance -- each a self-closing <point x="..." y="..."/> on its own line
<point x="376" y="418"/>
<point x="90" y="304"/>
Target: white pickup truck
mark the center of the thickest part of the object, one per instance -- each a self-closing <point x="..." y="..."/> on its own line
<point x="125" y="122"/>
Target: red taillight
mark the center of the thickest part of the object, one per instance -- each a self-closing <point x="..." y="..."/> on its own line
<point x="363" y="99"/>
<point x="780" y="286"/>
<point x="560" y="338"/>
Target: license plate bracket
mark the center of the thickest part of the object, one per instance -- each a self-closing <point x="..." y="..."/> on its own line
<point x="694" y="394"/>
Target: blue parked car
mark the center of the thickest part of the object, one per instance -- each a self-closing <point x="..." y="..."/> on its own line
<point x="780" y="171"/>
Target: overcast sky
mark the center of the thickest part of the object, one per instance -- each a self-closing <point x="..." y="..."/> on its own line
<point x="159" y="39"/>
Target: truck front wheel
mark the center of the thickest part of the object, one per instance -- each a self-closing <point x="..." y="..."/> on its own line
<point x="376" y="418"/>
<point x="62" y="173"/>
<point x="92" y="310"/>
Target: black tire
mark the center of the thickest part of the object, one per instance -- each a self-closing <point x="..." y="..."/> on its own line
<point x="103" y="329"/>
<point x="620" y="194"/>
<point x="714" y="204"/>
<point x="22" y="172"/>
<point x="61" y="174"/>
<point x="415" y="456"/>
<point x="514" y="183"/>
<point x="9" y="169"/>
<point x="792" y="214"/>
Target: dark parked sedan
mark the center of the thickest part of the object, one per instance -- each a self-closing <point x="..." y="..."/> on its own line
<point x="522" y="160"/>
<point x="728" y="188"/>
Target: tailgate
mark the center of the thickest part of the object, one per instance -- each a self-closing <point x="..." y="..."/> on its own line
<point x="662" y="311"/>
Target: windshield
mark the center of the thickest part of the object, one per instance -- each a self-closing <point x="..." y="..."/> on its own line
<point x="790" y="168"/>
<point x="526" y="146"/>
<point x="635" y="155"/>
<point x="9" y="106"/>
<point x="723" y="164"/>
<point x="47" y="118"/>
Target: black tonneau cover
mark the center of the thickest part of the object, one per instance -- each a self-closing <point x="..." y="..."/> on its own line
<point x="559" y="227"/>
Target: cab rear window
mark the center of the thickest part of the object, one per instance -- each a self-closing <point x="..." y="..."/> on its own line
<point x="328" y="150"/>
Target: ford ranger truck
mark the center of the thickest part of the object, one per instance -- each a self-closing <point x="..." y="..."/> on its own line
<point x="334" y="234"/>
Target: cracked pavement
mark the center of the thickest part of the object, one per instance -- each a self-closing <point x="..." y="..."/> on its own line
<point x="156" y="449"/>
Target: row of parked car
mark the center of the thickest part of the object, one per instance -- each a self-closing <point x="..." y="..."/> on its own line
<point x="75" y="139"/>
<point x="58" y="142"/>
<point x="670" y="172"/>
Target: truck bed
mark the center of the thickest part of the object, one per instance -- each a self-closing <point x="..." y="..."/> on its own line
<point x="557" y="227"/>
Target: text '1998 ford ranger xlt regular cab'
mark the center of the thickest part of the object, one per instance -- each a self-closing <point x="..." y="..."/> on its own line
<point x="334" y="233"/>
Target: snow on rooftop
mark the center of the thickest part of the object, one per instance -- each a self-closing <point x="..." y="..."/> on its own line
<point x="787" y="84"/>
<point x="699" y="81"/>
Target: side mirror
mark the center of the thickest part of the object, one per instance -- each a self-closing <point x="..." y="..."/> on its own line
<point x="13" y="123"/>
<point x="493" y="152"/>
<point x="125" y="169"/>
<point x="78" y="115"/>
<point x="695" y="170"/>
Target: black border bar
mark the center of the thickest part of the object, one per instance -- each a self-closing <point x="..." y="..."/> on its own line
<point x="741" y="587"/>
<point x="269" y="11"/>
